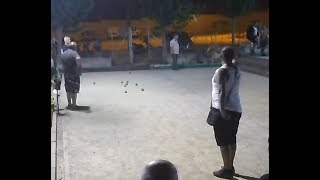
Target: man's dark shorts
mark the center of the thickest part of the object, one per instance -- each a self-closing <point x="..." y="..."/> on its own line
<point x="72" y="83"/>
<point x="253" y="39"/>
<point x="225" y="131"/>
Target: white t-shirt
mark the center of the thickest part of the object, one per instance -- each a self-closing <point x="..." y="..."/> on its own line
<point x="232" y="89"/>
<point x="175" y="46"/>
<point x="255" y="33"/>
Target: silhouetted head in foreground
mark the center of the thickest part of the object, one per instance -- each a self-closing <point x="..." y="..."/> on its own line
<point x="160" y="170"/>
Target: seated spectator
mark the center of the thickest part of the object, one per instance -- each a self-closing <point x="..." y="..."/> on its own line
<point x="160" y="170"/>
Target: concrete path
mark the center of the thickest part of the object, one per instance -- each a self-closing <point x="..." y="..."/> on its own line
<point x="53" y="146"/>
<point x="124" y="131"/>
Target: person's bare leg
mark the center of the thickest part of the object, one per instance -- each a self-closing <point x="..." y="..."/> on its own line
<point x="233" y="148"/>
<point x="252" y="48"/>
<point x="69" y="97"/>
<point x="74" y="99"/>
<point x="227" y="170"/>
<point x="225" y="152"/>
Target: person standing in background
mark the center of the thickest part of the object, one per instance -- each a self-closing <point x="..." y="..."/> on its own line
<point x="66" y="45"/>
<point x="253" y="36"/>
<point x="174" y="49"/>
<point x="264" y="32"/>
<point x="55" y="75"/>
<point x="72" y="71"/>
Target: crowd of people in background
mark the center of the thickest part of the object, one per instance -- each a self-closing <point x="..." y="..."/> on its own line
<point x="258" y="37"/>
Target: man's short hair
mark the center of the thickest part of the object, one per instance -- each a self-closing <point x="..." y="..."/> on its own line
<point x="65" y="38"/>
<point x="228" y="54"/>
<point x="73" y="45"/>
<point x="160" y="170"/>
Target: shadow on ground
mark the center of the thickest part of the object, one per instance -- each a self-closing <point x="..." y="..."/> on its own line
<point x="86" y="109"/>
<point x="245" y="177"/>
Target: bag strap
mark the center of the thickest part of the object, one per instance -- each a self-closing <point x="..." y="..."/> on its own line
<point x="234" y="80"/>
<point x="235" y="76"/>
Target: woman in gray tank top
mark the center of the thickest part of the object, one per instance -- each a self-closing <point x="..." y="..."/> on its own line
<point x="226" y="108"/>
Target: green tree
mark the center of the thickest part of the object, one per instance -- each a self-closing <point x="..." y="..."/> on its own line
<point x="66" y="14"/>
<point x="168" y="13"/>
<point x="135" y="9"/>
<point x="234" y="8"/>
<point x="217" y="26"/>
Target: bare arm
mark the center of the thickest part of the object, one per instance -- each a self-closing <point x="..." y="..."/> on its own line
<point x="222" y="82"/>
<point x="78" y="62"/>
<point x="223" y="78"/>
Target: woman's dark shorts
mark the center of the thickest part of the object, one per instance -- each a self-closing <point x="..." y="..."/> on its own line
<point x="225" y="131"/>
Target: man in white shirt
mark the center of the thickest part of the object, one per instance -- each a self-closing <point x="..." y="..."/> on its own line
<point x="66" y="45"/>
<point x="174" y="49"/>
<point x="253" y="36"/>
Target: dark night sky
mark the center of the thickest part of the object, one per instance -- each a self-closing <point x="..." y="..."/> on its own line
<point x="111" y="9"/>
<point x="115" y="9"/>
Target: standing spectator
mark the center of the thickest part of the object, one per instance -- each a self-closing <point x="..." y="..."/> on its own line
<point x="85" y="46"/>
<point x="72" y="71"/>
<point x="54" y="50"/>
<point x="67" y="41"/>
<point x="264" y="32"/>
<point x="66" y="45"/>
<point x="226" y="107"/>
<point x="55" y="75"/>
<point x="97" y="46"/>
<point x="252" y="36"/>
<point x="160" y="170"/>
<point x="174" y="49"/>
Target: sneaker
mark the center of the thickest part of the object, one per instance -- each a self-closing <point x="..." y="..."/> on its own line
<point x="233" y="170"/>
<point x="224" y="173"/>
<point x="75" y="107"/>
<point x="70" y="107"/>
<point x="56" y="92"/>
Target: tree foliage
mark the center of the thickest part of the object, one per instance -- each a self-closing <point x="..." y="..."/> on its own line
<point x="68" y="13"/>
<point x="234" y="8"/>
<point x="167" y="13"/>
<point x="170" y="12"/>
